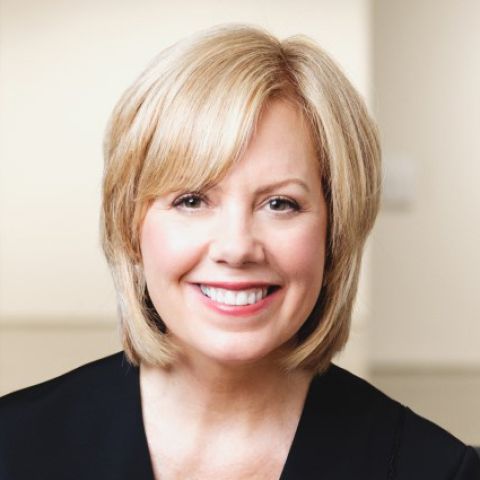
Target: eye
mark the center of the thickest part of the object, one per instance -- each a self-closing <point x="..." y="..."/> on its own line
<point x="189" y="201"/>
<point x="282" y="204"/>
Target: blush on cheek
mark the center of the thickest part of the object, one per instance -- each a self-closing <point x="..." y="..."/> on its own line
<point x="169" y="248"/>
<point x="305" y="248"/>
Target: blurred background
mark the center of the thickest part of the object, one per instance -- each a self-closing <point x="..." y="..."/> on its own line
<point x="63" y="65"/>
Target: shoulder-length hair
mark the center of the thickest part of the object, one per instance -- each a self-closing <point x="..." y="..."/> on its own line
<point x="186" y="121"/>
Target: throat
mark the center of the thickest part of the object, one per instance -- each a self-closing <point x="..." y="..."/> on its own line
<point x="225" y="397"/>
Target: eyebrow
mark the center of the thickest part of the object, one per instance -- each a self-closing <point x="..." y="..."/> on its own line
<point x="281" y="183"/>
<point x="272" y="186"/>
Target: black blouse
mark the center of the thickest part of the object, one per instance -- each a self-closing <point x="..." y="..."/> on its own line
<point x="87" y="424"/>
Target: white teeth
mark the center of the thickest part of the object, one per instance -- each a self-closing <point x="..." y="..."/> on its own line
<point x="234" y="297"/>
<point x="241" y="298"/>
<point x="229" y="298"/>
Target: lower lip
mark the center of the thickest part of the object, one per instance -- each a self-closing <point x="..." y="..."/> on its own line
<point x="237" y="310"/>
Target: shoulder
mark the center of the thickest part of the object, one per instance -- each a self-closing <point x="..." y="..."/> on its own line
<point x="66" y="415"/>
<point x="432" y="451"/>
<point x="85" y="383"/>
<point x="82" y="388"/>
<point x="398" y="441"/>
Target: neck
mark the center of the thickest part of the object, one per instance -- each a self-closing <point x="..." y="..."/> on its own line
<point x="214" y="393"/>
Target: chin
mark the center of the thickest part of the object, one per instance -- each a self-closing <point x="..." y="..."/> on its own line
<point x="238" y="353"/>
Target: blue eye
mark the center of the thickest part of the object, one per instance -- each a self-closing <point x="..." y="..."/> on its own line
<point x="281" y="204"/>
<point x="190" y="201"/>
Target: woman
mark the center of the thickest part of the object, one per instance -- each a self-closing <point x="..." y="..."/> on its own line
<point x="242" y="177"/>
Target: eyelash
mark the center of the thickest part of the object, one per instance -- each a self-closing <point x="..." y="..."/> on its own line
<point x="179" y="202"/>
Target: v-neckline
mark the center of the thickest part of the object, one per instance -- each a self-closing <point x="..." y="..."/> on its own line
<point x="295" y="446"/>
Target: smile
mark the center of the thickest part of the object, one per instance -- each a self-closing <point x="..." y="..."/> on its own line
<point x="236" y="297"/>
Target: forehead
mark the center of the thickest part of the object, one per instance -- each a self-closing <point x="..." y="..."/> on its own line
<point x="282" y="136"/>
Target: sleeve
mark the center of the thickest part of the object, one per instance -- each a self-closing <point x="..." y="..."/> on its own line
<point x="469" y="468"/>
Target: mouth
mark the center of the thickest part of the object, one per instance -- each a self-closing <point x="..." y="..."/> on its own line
<point x="237" y="297"/>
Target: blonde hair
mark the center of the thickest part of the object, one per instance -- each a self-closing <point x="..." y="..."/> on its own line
<point x="183" y="124"/>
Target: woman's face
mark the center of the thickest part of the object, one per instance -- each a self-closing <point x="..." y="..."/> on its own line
<point x="234" y="271"/>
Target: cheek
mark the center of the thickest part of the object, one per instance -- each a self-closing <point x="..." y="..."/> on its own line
<point x="167" y="250"/>
<point x="301" y="253"/>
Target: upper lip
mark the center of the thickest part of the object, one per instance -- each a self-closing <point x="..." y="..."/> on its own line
<point x="237" y="285"/>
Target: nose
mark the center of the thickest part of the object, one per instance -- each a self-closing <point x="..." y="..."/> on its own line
<point x="235" y="241"/>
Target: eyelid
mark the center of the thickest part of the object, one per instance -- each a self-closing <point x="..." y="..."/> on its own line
<point x="283" y="197"/>
<point x="189" y="194"/>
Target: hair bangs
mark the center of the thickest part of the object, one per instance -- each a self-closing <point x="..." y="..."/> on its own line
<point x="207" y="126"/>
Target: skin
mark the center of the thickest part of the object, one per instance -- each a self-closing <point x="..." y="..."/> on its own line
<point x="225" y="409"/>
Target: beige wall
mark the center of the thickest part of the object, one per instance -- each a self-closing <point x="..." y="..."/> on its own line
<point x="62" y="66"/>
<point x="426" y="255"/>
<point x="425" y="326"/>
